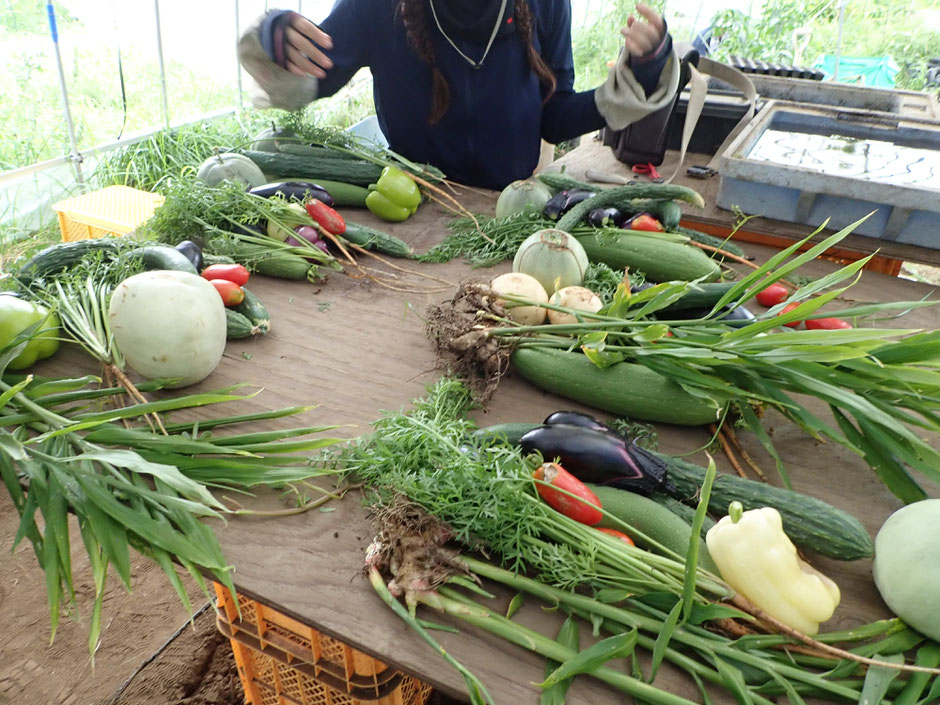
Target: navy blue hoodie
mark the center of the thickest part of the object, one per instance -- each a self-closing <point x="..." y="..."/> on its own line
<point x="490" y="134"/>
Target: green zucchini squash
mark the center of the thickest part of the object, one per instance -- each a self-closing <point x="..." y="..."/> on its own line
<point x="60" y="256"/>
<point x="625" y="389"/>
<point x="659" y="259"/>
<point x="237" y="325"/>
<point x="252" y="309"/>
<point x="623" y="194"/>
<point x="809" y="522"/>
<point x="667" y="212"/>
<point x="652" y="519"/>
<point x="372" y="239"/>
<point x="161" y="257"/>
<point x="510" y="432"/>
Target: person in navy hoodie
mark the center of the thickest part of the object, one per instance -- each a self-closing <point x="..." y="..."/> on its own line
<point x="470" y="86"/>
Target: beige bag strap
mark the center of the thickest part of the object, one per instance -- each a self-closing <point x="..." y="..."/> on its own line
<point x="698" y="90"/>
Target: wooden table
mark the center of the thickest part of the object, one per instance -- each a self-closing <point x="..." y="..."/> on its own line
<point x="354" y="349"/>
<point x="591" y="154"/>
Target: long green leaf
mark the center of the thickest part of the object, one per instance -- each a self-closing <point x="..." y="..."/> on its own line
<point x="593" y="657"/>
<point x="569" y="637"/>
<point x="691" y="556"/>
<point x="206" y="424"/>
<point x="878" y="679"/>
<point x="662" y="639"/>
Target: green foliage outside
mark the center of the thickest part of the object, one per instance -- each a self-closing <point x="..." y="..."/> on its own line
<point x="29" y="16"/>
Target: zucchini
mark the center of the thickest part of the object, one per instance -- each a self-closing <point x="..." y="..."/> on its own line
<point x="659" y="259"/>
<point x="237" y="325"/>
<point x="809" y="522"/>
<point x="510" y="432"/>
<point x="623" y="194"/>
<point x="343" y="194"/>
<point x="667" y="212"/>
<point x="252" y="309"/>
<point x="57" y="257"/>
<point x="161" y="257"/>
<point x="373" y="239"/>
<point x="683" y="511"/>
<point x="625" y="388"/>
<point x="326" y="167"/>
<point x="651" y="519"/>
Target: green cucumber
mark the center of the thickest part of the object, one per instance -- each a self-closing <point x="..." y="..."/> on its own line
<point x="558" y="181"/>
<point x="326" y="166"/>
<point x="252" y="309"/>
<point x="667" y="212"/>
<point x="625" y="389"/>
<point x="282" y="266"/>
<point x="703" y="295"/>
<point x="60" y="256"/>
<point x="161" y="257"/>
<point x="208" y="259"/>
<point x="659" y="259"/>
<point x="372" y="239"/>
<point x="622" y="194"/>
<point x="238" y="326"/>
<point x="510" y="432"/>
<point x="809" y="522"/>
<point x="651" y="519"/>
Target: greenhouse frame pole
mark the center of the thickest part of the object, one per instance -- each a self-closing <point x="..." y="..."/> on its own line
<point x="165" y="104"/>
<point x="75" y="157"/>
<point x="835" y="71"/>
<point x="238" y="66"/>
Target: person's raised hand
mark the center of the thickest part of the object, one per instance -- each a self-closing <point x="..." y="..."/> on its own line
<point x="303" y="41"/>
<point x="642" y="37"/>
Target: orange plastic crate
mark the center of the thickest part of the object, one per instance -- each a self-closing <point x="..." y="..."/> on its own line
<point x="284" y="662"/>
<point x="115" y="210"/>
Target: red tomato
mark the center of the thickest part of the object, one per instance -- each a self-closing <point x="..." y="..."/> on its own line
<point x="232" y="294"/>
<point x="231" y="272"/>
<point x="618" y="534"/>
<point x="772" y="295"/>
<point x="646" y="222"/>
<point x="787" y="309"/>
<point x="326" y="217"/>
<point x="827" y="324"/>
<point x="555" y="475"/>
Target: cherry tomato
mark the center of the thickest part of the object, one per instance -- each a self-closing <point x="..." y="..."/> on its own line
<point x="326" y="217"/>
<point x="232" y="294"/>
<point x="234" y="273"/>
<point x="827" y="324"/>
<point x="618" y="534"/>
<point x="772" y="295"/>
<point x="787" y="309"/>
<point x="645" y="222"/>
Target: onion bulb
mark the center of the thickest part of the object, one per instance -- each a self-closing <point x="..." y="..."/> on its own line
<point x="574" y="297"/>
<point x="522" y="196"/>
<point x="524" y="286"/>
<point x="553" y="257"/>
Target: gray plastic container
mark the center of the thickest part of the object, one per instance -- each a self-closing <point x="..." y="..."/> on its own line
<point x="903" y="213"/>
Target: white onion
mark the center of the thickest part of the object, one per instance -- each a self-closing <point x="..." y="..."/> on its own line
<point x="522" y="285"/>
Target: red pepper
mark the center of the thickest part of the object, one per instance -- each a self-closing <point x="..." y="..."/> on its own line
<point x="326" y="217"/>
<point x="646" y="222"/>
<point x="827" y="324"/>
<point x="787" y="309"/>
<point x="772" y="295"/>
<point x="232" y="272"/>
<point x="232" y="294"/>
<point x="573" y="508"/>
<point x="618" y="534"/>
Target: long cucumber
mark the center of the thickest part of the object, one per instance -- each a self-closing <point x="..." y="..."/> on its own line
<point x="625" y="389"/>
<point x="373" y="239"/>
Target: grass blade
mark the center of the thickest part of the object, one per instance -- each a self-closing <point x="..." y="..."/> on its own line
<point x="593" y="657"/>
<point x="878" y="679"/>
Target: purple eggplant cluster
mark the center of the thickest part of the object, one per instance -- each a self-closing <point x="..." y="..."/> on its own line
<point x="299" y="191"/>
<point x="593" y="452"/>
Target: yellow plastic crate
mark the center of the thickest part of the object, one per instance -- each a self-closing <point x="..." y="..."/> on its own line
<point x="115" y="210"/>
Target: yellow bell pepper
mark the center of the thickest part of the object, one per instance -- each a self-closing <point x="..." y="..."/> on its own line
<point x="757" y="559"/>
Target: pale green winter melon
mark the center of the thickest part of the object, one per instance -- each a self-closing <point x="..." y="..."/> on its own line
<point x="907" y="565"/>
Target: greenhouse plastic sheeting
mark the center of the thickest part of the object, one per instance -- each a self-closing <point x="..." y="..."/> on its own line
<point x="877" y="71"/>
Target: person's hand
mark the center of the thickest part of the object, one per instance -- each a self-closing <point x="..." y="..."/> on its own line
<point x="302" y="42"/>
<point x="642" y="37"/>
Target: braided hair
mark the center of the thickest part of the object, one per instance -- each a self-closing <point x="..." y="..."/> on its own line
<point x="415" y="15"/>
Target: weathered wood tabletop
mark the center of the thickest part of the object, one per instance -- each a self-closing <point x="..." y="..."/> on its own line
<point x="355" y="349"/>
<point x="591" y="154"/>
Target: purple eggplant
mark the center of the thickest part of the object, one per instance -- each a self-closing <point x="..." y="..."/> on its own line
<point x="576" y="418"/>
<point x="606" y="217"/>
<point x="563" y="201"/>
<point x="192" y="252"/>
<point x="599" y="457"/>
<point x="294" y="191"/>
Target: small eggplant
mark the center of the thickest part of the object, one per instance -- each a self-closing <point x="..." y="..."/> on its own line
<point x="576" y="418"/>
<point x="192" y="252"/>
<point x="563" y="201"/>
<point x="606" y="217"/>
<point x="294" y="191"/>
<point x="599" y="457"/>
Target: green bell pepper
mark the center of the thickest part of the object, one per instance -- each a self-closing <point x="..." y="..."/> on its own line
<point x="395" y="196"/>
<point x="16" y="315"/>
